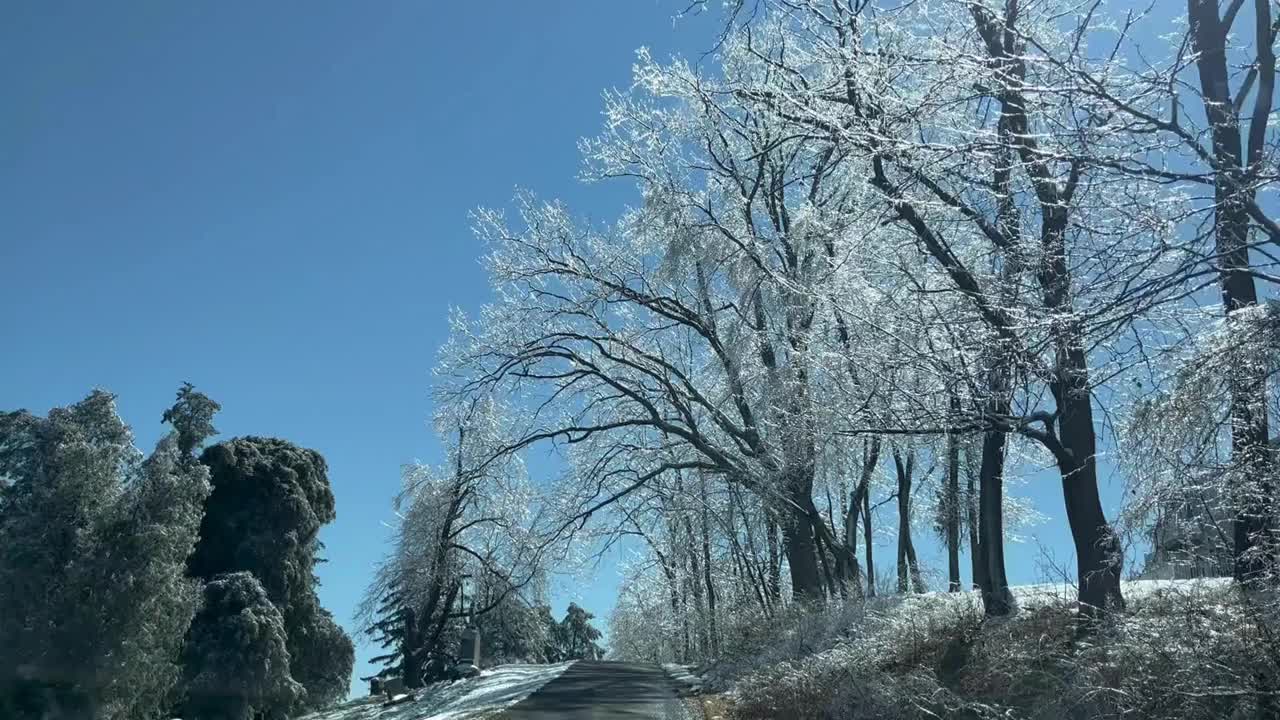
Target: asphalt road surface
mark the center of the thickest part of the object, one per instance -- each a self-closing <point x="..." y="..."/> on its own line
<point x="603" y="691"/>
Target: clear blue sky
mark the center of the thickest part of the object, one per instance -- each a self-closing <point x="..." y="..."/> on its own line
<point x="270" y="200"/>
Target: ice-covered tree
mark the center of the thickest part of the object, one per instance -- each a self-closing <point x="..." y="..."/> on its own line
<point x="94" y="602"/>
<point x="236" y="662"/>
<point x="578" y="635"/>
<point x="463" y="551"/>
<point x="269" y="501"/>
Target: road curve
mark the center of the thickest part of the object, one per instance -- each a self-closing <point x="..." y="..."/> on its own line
<point x="602" y="691"/>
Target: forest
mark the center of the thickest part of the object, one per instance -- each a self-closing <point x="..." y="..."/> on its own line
<point x="882" y="263"/>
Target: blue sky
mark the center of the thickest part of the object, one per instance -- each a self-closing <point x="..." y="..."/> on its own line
<point x="270" y="200"/>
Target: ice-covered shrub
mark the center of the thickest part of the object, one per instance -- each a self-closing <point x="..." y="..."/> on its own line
<point x="1181" y="650"/>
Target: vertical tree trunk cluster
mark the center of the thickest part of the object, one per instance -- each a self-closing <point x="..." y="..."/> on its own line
<point x="1254" y="498"/>
<point x="1097" y="548"/>
<point x="910" y="579"/>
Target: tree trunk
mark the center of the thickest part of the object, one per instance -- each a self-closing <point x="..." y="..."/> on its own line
<point x="1097" y="549"/>
<point x="909" y="577"/>
<point x="867" y="537"/>
<point x="695" y="586"/>
<point x="684" y="620"/>
<point x="1098" y="556"/>
<point x="712" y="630"/>
<point x="1253" y="498"/>
<point x="977" y="561"/>
<point x="750" y="555"/>
<point x="843" y="558"/>
<point x="438" y="630"/>
<point x="951" y="510"/>
<point x="673" y="587"/>
<point x="903" y="582"/>
<point x="870" y="457"/>
<point x="775" y="561"/>
<point x="996" y="598"/>
<point x="801" y="551"/>
<point x="913" y="566"/>
<point x="824" y="560"/>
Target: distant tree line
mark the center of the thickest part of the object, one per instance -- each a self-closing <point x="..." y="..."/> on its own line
<point x="136" y="587"/>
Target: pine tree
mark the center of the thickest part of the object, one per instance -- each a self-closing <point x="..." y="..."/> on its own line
<point x="390" y="632"/>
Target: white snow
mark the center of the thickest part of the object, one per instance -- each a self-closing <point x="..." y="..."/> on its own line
<point x="1032" y="596"/>
<point x="1132" y="589"/>
<point x="493" y="690"/>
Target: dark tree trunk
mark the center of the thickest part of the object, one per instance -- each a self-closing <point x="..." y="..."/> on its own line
<point x="802" y="551"/>
<point x="870" y="458"/>
<point x="977" y="560"/>
<point x="824" y="560"/>
<point x="909" y="577"/>
<point x="747" y="558"/>
<point x="951" y="508"/>
<point x="416" y="626"/>
<point x="685" y="653"/>
<point x="712" y="630"/>
<point x="844" y="559"/>
<point x="1098" y="559"/>
<point x="996" y="598"/>
<point x="904" y="521"/>
<point x="1098" y="556"/>
<point x="913" y="565"/>
<point x="867" y="537"/>
<point x="1253" y="497"/>
<point x="680" y="573"/>
<point x="438" y="631"/>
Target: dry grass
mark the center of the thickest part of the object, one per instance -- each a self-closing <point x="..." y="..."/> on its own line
<point x="711" y="707"/>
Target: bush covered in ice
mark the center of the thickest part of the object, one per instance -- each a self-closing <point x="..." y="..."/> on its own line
<point x="1181" y="650"/>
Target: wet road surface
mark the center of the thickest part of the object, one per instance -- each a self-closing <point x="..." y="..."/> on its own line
<point x="602" y="691"/>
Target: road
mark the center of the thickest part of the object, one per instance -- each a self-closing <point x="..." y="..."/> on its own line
<point x="602" y="691"/>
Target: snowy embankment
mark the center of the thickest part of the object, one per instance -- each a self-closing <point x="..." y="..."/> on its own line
<point x="491" y="691"/>
<point x="685" y="677"/>
<point x="1180" y="649"/>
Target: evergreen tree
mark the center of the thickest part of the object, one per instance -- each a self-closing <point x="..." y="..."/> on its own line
<point x="270" y="498"/>
<point x="94" y="603"/>
<point x="578" y="636"/>
<point x="235" y="662"/>
<point x="389" y="633"/>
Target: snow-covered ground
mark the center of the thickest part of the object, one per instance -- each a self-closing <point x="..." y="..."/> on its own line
<point x="493" y="690"/>
<point x="1031" y="596"/>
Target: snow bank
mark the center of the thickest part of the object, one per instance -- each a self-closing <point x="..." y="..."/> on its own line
<point x="493" y="690"/>
<point x="1035" y="596"/>
<point x="1181" y="649"/>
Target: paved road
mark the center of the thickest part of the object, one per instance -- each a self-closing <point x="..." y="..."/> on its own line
<point x="603" y="691"/>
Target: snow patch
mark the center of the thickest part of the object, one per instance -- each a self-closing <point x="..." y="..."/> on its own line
<point x="685" y="678"/>
<point x="494" y="689"/>
<point x="1034" y="596"/>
